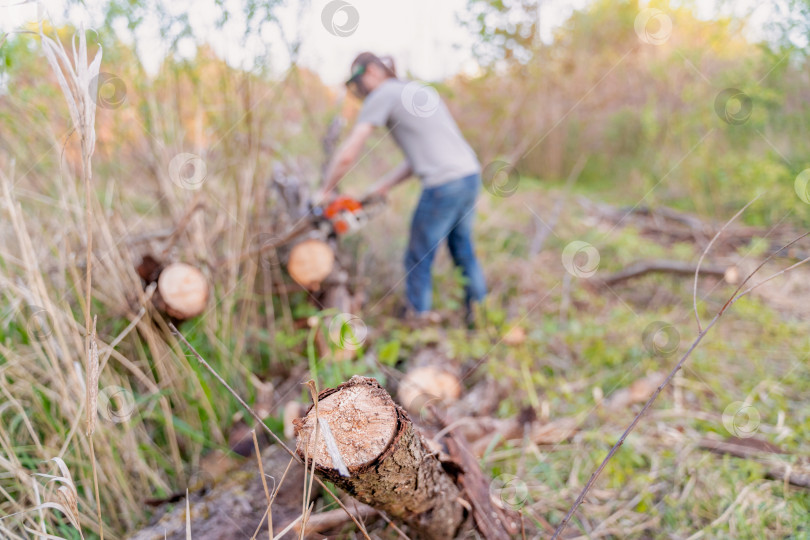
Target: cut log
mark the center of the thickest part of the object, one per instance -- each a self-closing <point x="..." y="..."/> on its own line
<point x="183" y="291"/>
<point x="426" y="384"/>
<point x="310" y="262"/>
<point x="389" y="465"/>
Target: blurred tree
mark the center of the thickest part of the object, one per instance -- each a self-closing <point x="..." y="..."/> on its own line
<point x="507" y="29"/>
<point x="791" y="27"/>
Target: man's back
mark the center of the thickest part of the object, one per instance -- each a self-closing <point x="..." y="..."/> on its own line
<point x="424" y="129"/>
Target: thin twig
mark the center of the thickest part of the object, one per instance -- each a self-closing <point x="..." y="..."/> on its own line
<point x="313" y="390"/>
<point x="630" y="428"/>
<point x="258" y="419"/>
<point x="273" y="498"/>
<point x="188" y="517"/>
<point x="264" y="485"/>
<point x="705" y="251"/>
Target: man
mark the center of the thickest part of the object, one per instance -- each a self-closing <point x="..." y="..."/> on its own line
<point x="437" y="153"/>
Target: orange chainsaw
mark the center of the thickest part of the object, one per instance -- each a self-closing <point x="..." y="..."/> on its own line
<point x="345" y="214"/>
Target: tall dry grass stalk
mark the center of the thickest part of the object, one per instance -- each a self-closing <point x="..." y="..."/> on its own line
<point x="91" y="412"/>
<point x="79" y="84"/>
<point x="78" y="81"/>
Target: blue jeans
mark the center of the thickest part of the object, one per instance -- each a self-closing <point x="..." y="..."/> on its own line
<point x="447" y="212"/>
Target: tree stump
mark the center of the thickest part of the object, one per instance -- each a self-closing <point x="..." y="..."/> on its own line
<point x="389" y="466"/>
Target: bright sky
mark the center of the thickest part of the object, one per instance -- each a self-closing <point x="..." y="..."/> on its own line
<point x="424" y="36"/>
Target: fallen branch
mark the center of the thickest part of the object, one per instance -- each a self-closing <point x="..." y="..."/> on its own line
<point x="663" y="266"/>
<point x="667" y="213"/>
<point x="493" y="522"/>
<point x="774" y="468"/>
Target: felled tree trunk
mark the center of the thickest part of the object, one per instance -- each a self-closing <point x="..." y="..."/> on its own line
<point x="387" y="464"/>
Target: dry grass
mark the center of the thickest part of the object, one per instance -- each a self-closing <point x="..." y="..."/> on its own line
<point x="156" y="416"/>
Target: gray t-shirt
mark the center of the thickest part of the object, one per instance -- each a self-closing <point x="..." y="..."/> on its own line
<point x="423" y="128"/>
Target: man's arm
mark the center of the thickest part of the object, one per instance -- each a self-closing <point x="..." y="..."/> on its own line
<point x="345" y="157"/>
<point x="396" y="176"/>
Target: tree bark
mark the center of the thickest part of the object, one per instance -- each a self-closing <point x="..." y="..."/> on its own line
<point x="389" y="466"/>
